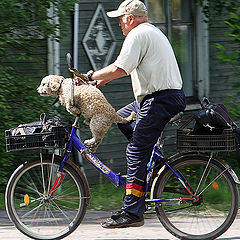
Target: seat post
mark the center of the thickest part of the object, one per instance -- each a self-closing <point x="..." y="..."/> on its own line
<point x="75" y="124"/>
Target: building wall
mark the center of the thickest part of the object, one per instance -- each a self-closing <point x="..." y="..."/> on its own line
<point x="119" y="92"/>
<point x="222" y="76"/>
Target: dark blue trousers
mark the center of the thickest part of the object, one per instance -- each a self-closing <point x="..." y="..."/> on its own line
<point x="153" y="114"/>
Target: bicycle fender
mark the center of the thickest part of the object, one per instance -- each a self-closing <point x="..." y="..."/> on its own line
<point x="228" y="167"/>
<point x="155" y="180"/>
<point x="231" y="171"/>
<point x="225" y="165"/>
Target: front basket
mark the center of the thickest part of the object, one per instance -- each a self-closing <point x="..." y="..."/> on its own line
<point x="56" y="138"/>
<point x="226" y="142"/>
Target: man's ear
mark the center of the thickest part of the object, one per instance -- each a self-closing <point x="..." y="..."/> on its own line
<point x="131" y="19"/>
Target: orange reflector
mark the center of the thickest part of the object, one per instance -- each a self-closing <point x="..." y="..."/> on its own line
<point x="215" y="185"/>
<point x="26" y="199"/>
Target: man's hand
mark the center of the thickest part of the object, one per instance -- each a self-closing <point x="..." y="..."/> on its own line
<point x="107" y="74"/>
<point x="84" y="79"/>
<point x="101" y="77"/>
<point x="101" y="83"/>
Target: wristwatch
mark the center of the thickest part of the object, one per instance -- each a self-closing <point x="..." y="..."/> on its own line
<point x="89" y="74"/>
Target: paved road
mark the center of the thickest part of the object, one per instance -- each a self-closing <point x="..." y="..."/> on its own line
<point x="90" y="229"/>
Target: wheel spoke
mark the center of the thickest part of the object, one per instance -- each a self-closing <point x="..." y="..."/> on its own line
<point x="199" y="184"/>
<point x="35" y="189"/>
<point x="214" y="180"/>
<point x="43" y="178"/>
<point x="57" y="207"/>
<point x="39" y="215"/>
<point x="212" y="211"/>
<point x="34" y="209"/>
<point x="50" y="177"/>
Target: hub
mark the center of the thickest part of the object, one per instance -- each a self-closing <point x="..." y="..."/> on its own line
<point x="197" y="200"/>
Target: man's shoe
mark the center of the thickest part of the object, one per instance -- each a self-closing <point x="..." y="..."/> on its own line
<point x="122" y="219"/>
<point x="116" y="214"/>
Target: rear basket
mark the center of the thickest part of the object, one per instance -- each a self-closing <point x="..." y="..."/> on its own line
<point x="226" y="142"/>
<point x="54" y="139"/>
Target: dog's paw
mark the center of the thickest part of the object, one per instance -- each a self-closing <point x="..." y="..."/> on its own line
<point x="92" y="149"/>
<point x="91" y="145"/>
<point x="73" y="110"/>
<point x="87" y="121"/>
<point x="133" y="116"/>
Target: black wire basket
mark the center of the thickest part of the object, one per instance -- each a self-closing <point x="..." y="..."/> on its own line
<point x="225" y="142"/>
<point x="53" y="139"/>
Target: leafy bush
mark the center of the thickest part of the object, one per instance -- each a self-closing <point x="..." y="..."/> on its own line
<point x="229" y="13"/>
<point x="25" y="27"/>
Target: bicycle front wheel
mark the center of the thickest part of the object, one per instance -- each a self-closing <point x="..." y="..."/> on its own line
<point x="33" y="211"/>
<point x="209" y="215"/>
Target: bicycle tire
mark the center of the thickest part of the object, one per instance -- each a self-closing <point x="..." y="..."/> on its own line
<point x="217" y="206"/>
<point x="32" y="212"/>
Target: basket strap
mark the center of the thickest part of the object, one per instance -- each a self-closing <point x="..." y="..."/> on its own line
<point x="224" y="112"/>
<point x="186" y="122"/>
<point x="43" y="118"/>
<point x="217" y="105"/>
<point x="21" y="130"/>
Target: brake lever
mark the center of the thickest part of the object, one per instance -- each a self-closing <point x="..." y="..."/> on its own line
<point x="78" y="74"/>
<point x="94" y="83"/>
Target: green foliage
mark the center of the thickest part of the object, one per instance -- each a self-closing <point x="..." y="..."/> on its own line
<point x="233" y="23"/>
<point x="106" y="196"/>
<point x="2" y="205"/>
<point x="229" y="13"/>
<point x="24" y="29"/>
<point x="232" y="57"/>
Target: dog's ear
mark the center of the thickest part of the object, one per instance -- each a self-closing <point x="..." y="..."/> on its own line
<point x="54" y="83"/>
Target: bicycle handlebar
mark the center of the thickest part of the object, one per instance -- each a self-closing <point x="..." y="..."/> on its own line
<point x="76" y="72"/>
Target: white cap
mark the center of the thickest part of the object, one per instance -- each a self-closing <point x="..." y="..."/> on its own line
<point x="128" y="7"/>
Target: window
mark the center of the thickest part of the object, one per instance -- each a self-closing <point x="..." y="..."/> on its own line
<point x="179" y="22"/>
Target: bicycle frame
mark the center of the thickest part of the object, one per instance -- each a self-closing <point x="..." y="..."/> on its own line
<point x="74" y="141"/>
<point x="116" y="179"/>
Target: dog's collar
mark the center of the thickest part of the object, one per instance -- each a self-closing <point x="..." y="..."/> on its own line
<point x="56" y="100"/>
<point x="58" y="91"/>
<point x="62" y="79"/>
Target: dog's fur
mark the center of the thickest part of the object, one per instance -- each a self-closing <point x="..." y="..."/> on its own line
<point x="88" y="101"/>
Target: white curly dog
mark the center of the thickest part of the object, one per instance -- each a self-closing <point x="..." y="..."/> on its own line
<point x="88" y="101"/>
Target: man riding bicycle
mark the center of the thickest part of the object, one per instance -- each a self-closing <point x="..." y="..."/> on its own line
<point x="148" y="57"/>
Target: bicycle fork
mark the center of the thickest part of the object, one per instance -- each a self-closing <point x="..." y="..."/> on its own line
<point x="57" y="183"/>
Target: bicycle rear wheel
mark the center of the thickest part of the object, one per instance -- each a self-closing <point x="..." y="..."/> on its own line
<point x="33" y="211"/>
<point x="215" y="210"/>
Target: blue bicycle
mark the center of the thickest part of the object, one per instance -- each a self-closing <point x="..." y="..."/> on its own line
<point x="194" y="194"/>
